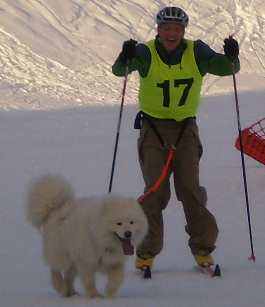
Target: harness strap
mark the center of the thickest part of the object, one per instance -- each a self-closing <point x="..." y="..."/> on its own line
<point x="153" y="126"/>
<point x="141" y="115"/>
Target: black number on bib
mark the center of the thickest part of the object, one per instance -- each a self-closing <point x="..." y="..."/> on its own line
<point x="166" y="93"/>
<point x="165" y="87"/>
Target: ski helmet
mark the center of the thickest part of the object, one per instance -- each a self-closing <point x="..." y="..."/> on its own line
<point x="172" y="14"/>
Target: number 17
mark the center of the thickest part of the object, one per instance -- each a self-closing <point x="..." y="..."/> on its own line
<point x="166" y="93"/>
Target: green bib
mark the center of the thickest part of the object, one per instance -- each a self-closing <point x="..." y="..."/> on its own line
<point x="171" y="92"/>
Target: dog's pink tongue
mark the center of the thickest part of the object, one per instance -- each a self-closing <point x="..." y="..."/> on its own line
<point x="127" y="246"/>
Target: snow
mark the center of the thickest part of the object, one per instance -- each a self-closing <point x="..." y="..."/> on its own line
<point x="59" y="107"/>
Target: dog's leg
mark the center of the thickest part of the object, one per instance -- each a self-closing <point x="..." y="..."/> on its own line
<point x="115" y="278"/>
<point x="58" y="282"/>
<point x="88" y="278"/>
<point x="69" y="278"/>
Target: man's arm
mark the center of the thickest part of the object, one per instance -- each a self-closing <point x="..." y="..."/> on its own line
<point x="212" y="62"/>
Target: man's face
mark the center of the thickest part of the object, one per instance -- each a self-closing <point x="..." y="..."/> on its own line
<point x="171" y="35"/>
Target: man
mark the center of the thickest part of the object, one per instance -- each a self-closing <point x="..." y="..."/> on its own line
<point x="171" y="70"/>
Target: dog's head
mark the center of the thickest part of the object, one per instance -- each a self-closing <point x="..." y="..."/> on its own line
<point x="124" y="218"/>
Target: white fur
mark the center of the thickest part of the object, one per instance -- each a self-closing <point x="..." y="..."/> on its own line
<point x="80" y="236"/>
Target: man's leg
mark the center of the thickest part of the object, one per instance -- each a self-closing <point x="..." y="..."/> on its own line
<point x="201" y="224"/>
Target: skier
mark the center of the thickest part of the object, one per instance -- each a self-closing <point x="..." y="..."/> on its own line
<point x="171" y="70"/>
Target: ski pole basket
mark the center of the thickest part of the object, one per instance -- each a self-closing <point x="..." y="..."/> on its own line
<point x="253" y="141"/>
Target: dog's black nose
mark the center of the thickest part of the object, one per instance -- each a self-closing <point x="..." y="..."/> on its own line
<point x="128" y="234"/>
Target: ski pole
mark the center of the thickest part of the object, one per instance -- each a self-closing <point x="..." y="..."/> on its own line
<point x="119" y="126"/>
<point x="252" y="257"/>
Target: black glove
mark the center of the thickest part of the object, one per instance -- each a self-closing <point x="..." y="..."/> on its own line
<point x="231" y="48"/>
<point x="128" y="50"/>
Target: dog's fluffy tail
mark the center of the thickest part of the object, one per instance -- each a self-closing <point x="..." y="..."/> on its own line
<point x="45" y="195"/>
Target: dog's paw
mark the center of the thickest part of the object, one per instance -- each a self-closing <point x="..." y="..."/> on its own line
<point x="93" y="293"/>
<point x="95" y="296"/>
<point x="111" y="292"/>
<point x="71" y="293"/>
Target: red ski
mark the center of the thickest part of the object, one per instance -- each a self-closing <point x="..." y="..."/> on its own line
<point x="213" y="272"/>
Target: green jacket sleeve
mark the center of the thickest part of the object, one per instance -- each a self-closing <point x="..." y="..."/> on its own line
<point x="219" y="66"/>
<point x="211" y="62"/>
<point x="119" y="67"/>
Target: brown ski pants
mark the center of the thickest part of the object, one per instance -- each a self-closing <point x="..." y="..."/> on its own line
<point x="201" y="224"/>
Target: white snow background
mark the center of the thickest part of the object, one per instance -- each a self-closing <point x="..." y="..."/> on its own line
<point x="59" y="108"/>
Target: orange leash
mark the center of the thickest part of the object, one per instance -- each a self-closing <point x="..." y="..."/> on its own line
<point x="161" y="178"/>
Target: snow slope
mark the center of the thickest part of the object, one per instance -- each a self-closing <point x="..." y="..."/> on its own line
<point x="59" y="53"/>
<point x="59" y="107"/>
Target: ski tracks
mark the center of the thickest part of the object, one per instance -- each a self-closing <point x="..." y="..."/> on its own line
<point x="89" y="36"/>
<point x="50" y="17"/>
<point x="244" y="20"/>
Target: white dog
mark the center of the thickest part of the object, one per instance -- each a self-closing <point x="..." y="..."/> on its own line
<point x="83" y="236"/>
